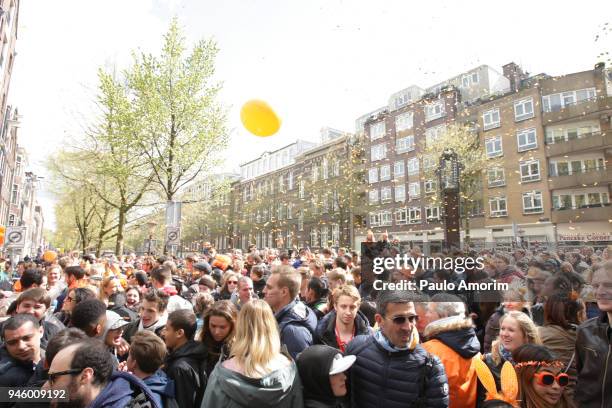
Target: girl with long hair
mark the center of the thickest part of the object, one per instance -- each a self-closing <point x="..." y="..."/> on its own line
<point x="229" y="283"/>
<point x="257" y="373"/>
<point x="541" y="378"/>
<point x="218" y="332"/>
<point x="516" y="329"/>
<point x="563" y="313"/>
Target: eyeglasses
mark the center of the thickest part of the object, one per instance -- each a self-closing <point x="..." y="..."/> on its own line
<point x="54" y="376"/>
<point x="69" y="299"/>
<point x="232" y="282"/>
<point x="548" y="379"/>
<point x="402" y="319"/>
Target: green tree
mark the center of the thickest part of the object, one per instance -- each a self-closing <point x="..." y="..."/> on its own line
<point x="175" y="100"/>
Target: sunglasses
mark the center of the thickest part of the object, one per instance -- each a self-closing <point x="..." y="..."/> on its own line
<point x="54" y="376"/>
<point x="402" y="319"/>
<point x="232" y="282"/>
<point x="548" y="379"/>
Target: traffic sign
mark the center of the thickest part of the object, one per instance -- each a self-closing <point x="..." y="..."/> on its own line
<point x="15" y="237"/>
<point x="173" y="235"/>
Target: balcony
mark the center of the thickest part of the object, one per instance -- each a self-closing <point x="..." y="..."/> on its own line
<point x="591" y="141"/>
<point x="580" y="109"/>
<point x="589" y="178"/>
<point x="582" y="214"/>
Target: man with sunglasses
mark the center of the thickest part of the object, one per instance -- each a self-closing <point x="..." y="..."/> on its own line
<point x="85" y="371"/>
<point x="392" y="370"/>
<point x="594" y="346"/>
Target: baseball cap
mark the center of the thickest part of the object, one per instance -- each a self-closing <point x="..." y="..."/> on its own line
<point x="341" y="364"/>
<point x="114" y="321"/>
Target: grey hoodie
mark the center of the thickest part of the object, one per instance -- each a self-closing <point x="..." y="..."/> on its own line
<point x="279" y="389"/>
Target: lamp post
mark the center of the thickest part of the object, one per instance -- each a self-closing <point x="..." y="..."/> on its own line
<point x="151" y="224"/>
<point x="448" y="179"/>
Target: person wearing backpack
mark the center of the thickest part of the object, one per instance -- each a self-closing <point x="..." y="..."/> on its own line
<point x="186" y="361"/>
<point x="391" y="369"/>
<point x="147" y="353"/>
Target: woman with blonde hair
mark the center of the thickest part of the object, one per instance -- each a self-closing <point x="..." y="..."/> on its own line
<point x="515" y="330"/>
<point x="257" y="373"/>
<point x="109" y="286"/>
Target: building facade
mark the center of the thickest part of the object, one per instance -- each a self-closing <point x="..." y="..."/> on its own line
<point x="548" y="141"/>
<point x="551" y="136"/>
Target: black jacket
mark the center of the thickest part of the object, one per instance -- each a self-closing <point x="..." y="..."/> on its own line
<point x="314" y="365"/>
<point x="186" y="366"/>
<point x="594" y="363"/>
<point x="132" y="328"/>
<point x="380" y="378"/>
<point x="50" y="329"/>
<point x="326" y="329"/>
<point x="14" y="373"/>
<point x="318" y="306"/>
<point x="259" y="286"/>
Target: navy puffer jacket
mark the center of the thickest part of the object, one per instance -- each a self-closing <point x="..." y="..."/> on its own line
<point x="380" y="378"/>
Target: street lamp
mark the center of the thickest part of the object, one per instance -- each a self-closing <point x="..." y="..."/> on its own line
<point x="448" y="180"/>
<point x="151" y="224"/>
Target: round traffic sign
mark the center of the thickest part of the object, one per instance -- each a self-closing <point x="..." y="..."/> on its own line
<point x="14" y="237"/>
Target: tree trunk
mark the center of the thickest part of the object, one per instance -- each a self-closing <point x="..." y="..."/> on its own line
<point x="120" y="225"/>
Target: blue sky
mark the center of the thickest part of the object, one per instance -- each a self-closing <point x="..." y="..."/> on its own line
<point x="317" y="62"/>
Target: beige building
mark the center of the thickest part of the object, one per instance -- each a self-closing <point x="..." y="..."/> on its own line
<point x="551" y="133"/>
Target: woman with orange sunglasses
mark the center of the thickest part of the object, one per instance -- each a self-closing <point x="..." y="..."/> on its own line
<point x="542" y="378"/>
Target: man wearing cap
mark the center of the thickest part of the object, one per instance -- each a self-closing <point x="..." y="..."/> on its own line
<point x="322" y="370"/>
<point x="112" y="336"/>
<point x="392" y="368"/>
<point x="201" y="268"/>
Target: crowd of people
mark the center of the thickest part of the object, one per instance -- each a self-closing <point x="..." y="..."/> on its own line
<point x="267" y="328"/>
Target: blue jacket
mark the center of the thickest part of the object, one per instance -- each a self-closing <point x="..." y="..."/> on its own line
<point x="297" y="324"/>
<point x="161" y="386"/>
<point x="380" y="378"/>
<point x="123" y="389"/>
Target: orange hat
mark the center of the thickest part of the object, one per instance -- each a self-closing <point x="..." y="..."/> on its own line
<point x="222" y="262"/>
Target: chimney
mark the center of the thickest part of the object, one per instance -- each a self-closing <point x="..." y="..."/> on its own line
<point x="515" y="74"/>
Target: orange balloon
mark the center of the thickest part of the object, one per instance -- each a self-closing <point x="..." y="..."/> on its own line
<point x="259" y="118"/>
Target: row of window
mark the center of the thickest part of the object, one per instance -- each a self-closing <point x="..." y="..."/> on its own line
<point x="523" y="109"/>
<point x="412" y="168"/>
<point x="526" y="139"/>
<point x="564" y="134"/>
<point x="532" y="204"/>
<point x="414" y="192"/>
<point x="569" y="167"/>
<point x="403" y="216"/>
<point x="529" y="170"/>
<point x="558" y="101"/>
<point x="322" y="236"/>
<point x="324" y="167"/>
<point x="580" y="200"/>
